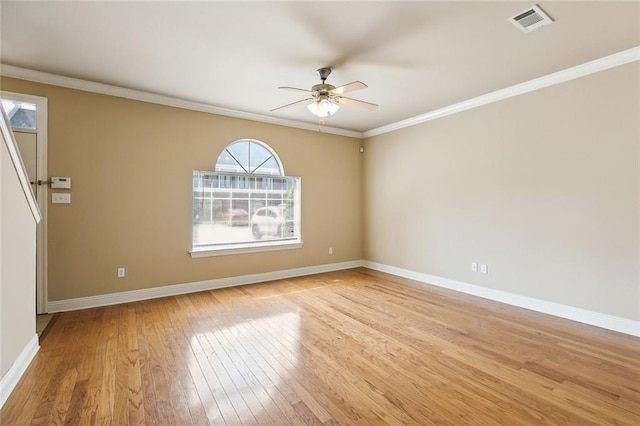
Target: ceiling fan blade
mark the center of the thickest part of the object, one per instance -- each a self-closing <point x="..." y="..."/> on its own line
<point x="292" y="104"/>
<point x="296" y="89"/>
<point x="350" y="87"/>
<point x="355" y="102"/>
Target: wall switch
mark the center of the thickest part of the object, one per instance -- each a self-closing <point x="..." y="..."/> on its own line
<point x="474" y="267"/>
<point x="60" y="198"/>
<point x="484" y="268"/>
<point x="330" y="250"/>
<point x="120" y="272"/>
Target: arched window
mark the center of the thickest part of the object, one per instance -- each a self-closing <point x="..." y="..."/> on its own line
<point x="246" y="204"/>
<point x="251" y="157"/>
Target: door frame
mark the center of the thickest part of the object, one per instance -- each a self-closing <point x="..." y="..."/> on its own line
<point x="42" y="192"/>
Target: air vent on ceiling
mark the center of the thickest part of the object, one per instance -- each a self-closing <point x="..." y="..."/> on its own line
<point x="531" y="19"/>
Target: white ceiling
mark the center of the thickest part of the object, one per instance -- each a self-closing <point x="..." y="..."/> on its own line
<point x="416" y="57"/>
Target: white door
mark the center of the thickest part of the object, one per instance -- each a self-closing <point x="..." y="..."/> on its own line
<point x="27" y="116"/>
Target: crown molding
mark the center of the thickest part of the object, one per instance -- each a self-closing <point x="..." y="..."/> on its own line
<point x="597" y="65"/>
<point x="611" y="61"/>
<point x="154" y="98"/>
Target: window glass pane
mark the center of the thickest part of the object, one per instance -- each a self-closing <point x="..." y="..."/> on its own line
<point x="239" y="151"/>
<point x="21" y="114"/>
<point x="248" y="157"/>
<point x="244" y="210"/>
<point x="258" y="156"/>
<point x="227" y="163"/>
<point x="268" y="167"/>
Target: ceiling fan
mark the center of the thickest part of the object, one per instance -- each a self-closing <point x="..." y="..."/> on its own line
<point x="325" y="99"/>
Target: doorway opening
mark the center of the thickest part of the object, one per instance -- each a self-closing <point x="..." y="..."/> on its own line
<point x="28" y="119"/>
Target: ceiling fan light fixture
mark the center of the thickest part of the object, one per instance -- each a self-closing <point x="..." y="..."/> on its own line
<point x="324" y="100"/>
<point x="323" y="107"/>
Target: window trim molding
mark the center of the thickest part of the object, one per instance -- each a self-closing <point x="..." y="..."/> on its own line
<point x="243" y="247"/>
<point x="207" y="251"/>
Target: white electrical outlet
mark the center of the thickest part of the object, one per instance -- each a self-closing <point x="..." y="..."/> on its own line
<point x="474" y="266"/>
<point x="330" y="250"/>
<point x="484" y="268"/>
<point x="121" y="272"/>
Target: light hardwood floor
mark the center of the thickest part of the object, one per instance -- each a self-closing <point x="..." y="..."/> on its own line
<point x="349" y="347"/>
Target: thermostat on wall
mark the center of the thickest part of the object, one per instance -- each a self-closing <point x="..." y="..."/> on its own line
<point x="61" y="183"/>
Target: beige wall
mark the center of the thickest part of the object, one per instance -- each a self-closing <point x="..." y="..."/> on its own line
<point x="17" y="266"/>
<point x="543" y="187"/>
<point x="131" y="168"/>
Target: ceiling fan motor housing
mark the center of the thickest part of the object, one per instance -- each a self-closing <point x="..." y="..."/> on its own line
<point x="322" y="89"/>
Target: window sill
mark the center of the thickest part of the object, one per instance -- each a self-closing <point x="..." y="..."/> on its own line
<point x="246" y="248"/>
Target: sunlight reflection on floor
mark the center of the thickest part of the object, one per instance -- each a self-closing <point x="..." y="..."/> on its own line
<point x="235" y="356"/>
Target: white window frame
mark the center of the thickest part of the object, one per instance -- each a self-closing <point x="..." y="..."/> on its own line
<point x="253" y="247"/>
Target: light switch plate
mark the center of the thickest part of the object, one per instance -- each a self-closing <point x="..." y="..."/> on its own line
<point x="60" y="198"/>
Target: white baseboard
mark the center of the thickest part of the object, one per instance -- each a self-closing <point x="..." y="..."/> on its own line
<point x="597" y="319"/>
<point x="13" y="375"/>
<point x="177" y="289"/>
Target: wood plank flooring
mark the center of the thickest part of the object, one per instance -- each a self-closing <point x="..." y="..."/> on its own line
<point x="350" y="347"/>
